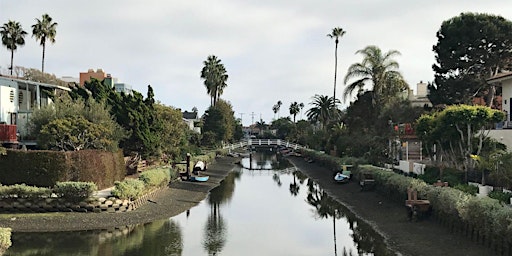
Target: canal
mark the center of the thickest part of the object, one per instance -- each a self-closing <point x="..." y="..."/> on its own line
<point x="270" y="210"/>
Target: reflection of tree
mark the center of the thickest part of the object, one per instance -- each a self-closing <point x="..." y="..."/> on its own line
<point x="294" y="187"/>
<point x="215" y="233"/>
<point x="175" y="243"/>
<point x="365" y="237"/>
<point x="215" y="229"/>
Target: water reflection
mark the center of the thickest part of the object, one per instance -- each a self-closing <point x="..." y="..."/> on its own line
<point x="368" y="241"/>
<point x="215" y="231"/>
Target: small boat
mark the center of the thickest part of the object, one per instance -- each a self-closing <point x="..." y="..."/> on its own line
<point x="341" y="178"/>
<point x="199" y="178"/>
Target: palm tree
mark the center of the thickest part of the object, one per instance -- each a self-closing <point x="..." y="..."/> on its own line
<point x="380" y="70"/>
<point x="294" y="110"/>
<point x="336" y="34"/>
<point x="276" y="108"/>
<point x="215" y="77"/>
<point x="324" y="109"/>
<point x="44" y="30"/>
<point x="12" y="36"/>
<point x="301" y="106"/>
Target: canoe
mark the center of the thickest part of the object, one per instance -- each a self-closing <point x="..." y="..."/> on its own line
<point x="341" y="178"/>
<point x="199" y="178"/>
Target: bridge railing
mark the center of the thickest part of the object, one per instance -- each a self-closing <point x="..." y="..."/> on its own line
<point x="262" y="143"/>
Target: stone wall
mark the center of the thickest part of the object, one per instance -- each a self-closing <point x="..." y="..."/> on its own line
<point x="97" y="205"/>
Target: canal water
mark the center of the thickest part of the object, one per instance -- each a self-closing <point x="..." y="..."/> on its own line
<point x="270" y="210"/>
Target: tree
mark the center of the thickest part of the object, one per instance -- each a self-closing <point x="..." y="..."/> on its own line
<point x="13" y="36"/>
<point x="219" y="121"/>
<point x="294" y="109"/>
<point x="323" y="110"/>
<point x="276" y="108"/>
<point x="72" y="125"/>
<point x="380" y="70"/>
<point x="44" y="30"/>
<point x="457" y="132"/>
<point x="336" y="34"/>
<point x="215" y="76"/>
<point x="471" y="48"/>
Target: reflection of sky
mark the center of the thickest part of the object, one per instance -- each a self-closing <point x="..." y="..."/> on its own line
<point x="264" y="219"/>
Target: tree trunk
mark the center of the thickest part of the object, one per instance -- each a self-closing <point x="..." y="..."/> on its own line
<point x="335" y="69"/>
<point x="42" y="64"/>
<point x="12" y="60"/>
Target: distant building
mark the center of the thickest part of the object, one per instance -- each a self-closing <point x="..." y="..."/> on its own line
<point x="70" y="79"/>
<point x="191" y="118"/>
<point x="86" y="76"/>
<point x="123" y="87"/>
<point x="420" y="99"/>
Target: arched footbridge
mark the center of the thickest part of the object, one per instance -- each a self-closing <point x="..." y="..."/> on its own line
<point x="263" y="143"/>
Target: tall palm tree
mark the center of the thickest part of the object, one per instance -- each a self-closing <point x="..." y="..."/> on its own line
<point x="276" y="108"/>
<point x="13" y="36"/>
<point x="44" y="30"/>
<point x="380" y="70"/>
<point x="336" y="34"/>
<point x="294" y="109"/>
<point x="323" y="110"/>
<point x="215" y="76"/>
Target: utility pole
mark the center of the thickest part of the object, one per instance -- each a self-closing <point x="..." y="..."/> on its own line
<point x="241" y="116"/>
<point x="252" y="115"/>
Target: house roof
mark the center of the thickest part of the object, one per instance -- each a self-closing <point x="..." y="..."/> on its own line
<point x="500" y="77"/>
<point x="35" y="83"/>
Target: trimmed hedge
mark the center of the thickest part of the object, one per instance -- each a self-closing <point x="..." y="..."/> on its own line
<point x="485" y="219"/>
<point x="74" y="191"/>
<point x="24" y="191"/>
<point x="44" y="168"/>
<point x="129" y="189"/>
<point x="156" y="177"/>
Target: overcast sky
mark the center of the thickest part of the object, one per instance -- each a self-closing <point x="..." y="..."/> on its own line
<point x="272" y="50"/>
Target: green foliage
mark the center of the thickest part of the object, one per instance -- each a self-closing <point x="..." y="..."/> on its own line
<point x="503" y="197"/>
<point x="13" y="36"/>
<point x="171" y="131"/>
<point x="74" y="191"/>
<point x="74" y="125"/>
<point x="155" y="178"/>
<point x="128" y="189"/>
<point x="457" y="131"/>
<point x="215" y="76"/>
<point x="381" y="71"/>
<point x="5" y="239"/>
<point x="24" y="191"/>
<point x="471" y="47"/>
<point x="219" y="124"/>
<point x="467" y="188"/>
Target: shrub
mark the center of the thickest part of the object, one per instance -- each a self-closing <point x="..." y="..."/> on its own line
<point x="5" y="239"/>
<point x="128" y="189"/>
<point x="155" y="178"/>
<point x="24" y="191"/>
<point x="470" y="189"/>
<point x="501" y="196"/>
<point x="74" y="191"/>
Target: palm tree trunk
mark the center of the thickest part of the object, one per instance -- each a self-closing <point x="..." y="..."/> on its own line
<point x="42" y="64"/>
<point x="335" y="67"/>
<point x="12" y="60"/>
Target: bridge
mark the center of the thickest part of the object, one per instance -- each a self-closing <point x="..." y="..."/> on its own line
<point x="263" y="143"/>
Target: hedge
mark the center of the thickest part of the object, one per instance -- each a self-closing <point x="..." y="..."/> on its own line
<point x="5" y="239"/>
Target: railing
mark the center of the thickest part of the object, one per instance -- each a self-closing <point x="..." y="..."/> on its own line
<point x="263" y="143"/>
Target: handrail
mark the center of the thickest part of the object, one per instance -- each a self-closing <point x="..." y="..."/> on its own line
<point x="262" y="142"/>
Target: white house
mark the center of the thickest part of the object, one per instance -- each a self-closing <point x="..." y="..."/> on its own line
<point x="19" y="98"/>
<point x="504" y="135"/>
